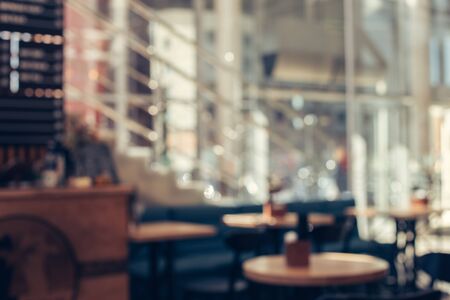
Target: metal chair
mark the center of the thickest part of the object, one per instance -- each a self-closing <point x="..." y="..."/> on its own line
<point x="436" y="265"/>
<point x="339" y="232"/>
<point x="232" y="284"/>
<point x="6" y="271"/>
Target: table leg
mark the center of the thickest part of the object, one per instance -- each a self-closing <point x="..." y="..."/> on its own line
<point x="412" y="243"/>
<point x="408" y="228"/>
<point x="400" y="252"/>
<point x="169" y="270"/>
<point x="254" y="290"/>
<point x="275" y="234"/>
<point x="306" y="293"/>
<point x="153" y="272"/>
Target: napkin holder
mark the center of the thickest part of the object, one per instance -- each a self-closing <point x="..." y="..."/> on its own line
<point x="420" y="199"/>
<point x="272" y="210"/>
<point x="298" y="253"/>
<point x="298" y="244"/>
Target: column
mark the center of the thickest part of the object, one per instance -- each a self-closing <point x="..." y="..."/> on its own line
<point x="199" y="9"/>
<point x="228" y="48"/>
<point x="356" y="144"/>
<point x="445" y="158"/>
<point x="119" y="9"/>
<point x="419" y="22"/>
<point x="381" y="145"/>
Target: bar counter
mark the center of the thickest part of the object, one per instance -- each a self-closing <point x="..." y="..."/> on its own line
<point x="67" y="193"/>
<point x="87" y="225"/>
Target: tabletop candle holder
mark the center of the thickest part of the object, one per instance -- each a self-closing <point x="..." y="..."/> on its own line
<point x="270" y="208"/>
<point x="420" y="199"/>
<point x="298" y="249"/>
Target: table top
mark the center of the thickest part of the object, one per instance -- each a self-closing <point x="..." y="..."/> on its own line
<point x="369" y="212"/>
<point x="169" y="231"/>
<point x="412" y="213"/>
<point x="324" y="270"/>
<point x="258" y="220"/>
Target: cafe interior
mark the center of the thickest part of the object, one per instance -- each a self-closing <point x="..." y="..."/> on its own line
<point x="224" y="149"/>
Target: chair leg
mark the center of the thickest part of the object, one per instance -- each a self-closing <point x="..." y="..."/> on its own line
<point x="253" y="291"/>
<point x="187" y="295"/>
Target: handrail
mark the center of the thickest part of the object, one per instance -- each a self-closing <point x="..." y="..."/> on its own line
<point x="139" y="47"/>
<point x="294" y="114"/>
<point x="148" y="13"/>
<point x="142" y="131"/>
<point x="136" y="44"/>
<point x="109" y="112"/>
<point x="139" y="77"/>
<point x="277" y="139"/>
<point x="228" y="179"/>
<point x="135" y="99"/>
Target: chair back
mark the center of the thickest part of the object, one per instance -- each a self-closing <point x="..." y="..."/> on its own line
<point x="243" y="241"/>
<point x="240" y="242"/>
<point x="340" y="231"/>
<point x="436" y="265"/>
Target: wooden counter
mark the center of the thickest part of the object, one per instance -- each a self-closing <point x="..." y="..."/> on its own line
<point x="92" y="222"/>
<point x="68" y="193"/>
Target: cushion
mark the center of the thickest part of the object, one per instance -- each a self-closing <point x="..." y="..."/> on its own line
<point x="204" y="214"/>
<point x="154" y="214"/>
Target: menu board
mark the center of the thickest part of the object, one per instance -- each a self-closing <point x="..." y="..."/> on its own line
<point x="31" y="71"/>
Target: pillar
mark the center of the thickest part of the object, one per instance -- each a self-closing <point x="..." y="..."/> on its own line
<point x="356" y="144"/>
<point x="228" y="49"/>
<point x="419" y="23"/>
<point x="119" y="9"/>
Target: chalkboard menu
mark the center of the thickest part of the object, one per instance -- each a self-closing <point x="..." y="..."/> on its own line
<point x="31" y="71"/>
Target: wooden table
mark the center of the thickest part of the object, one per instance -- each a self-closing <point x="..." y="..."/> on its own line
<point x="169" y="231"/>
<point x="405" y="222"/>
<point x="274" y="225"/>
<point x="156" y="233"/>
<point x="413" y="213"/>
<point x="326" y="269"/>
<point x="290" y="220"/>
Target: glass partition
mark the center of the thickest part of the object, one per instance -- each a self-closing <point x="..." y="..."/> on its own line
<point x="330" y="96"/>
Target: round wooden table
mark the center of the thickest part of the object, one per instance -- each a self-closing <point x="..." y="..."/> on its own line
<point x="274" y="225"/>
<point x="169" y="231"/>
<point x="405" y="222"/>
<point x="155" y="234"/>
<point x="326" y="269"/>
<point x="258" y="220"/>
<point x="412" y="213"/>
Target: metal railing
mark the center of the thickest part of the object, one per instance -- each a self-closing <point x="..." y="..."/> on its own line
<point x="140" y="47"/>
<point x="145" y="50"/>
<point x="92" y="100"/>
